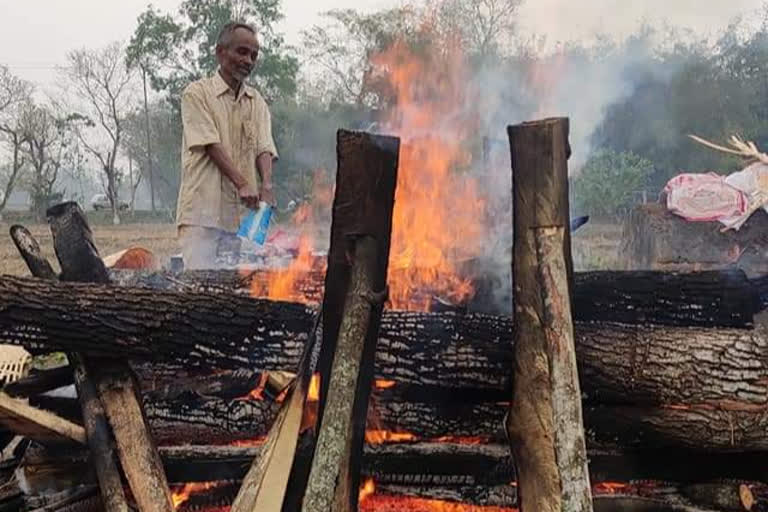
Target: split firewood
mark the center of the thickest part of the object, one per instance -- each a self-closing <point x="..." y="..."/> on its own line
<point x="37" y="424"/>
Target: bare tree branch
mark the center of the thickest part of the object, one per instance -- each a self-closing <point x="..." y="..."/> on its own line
<point x="101" y="81"/>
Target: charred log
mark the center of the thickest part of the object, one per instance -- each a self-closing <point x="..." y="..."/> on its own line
<point x="619" y="363"/>
<point x="718" y="298"/>
<point x="40" y="382"/>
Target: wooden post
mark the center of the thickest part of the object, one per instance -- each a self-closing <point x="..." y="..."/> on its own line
<point x="332" y="486"/>
<point x="80" y="261"/>
<point x="94" y="419"/>
<point x="365" y="190"/>
<point x="544" y="422"/>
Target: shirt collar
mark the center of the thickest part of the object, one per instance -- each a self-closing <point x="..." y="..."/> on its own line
<point x="221" y="87"/>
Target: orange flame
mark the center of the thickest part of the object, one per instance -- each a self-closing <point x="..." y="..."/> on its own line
<point x="182" y="494"/>
<point x="439" y="213"/>
<point x="387" y="436"/>
<point x="366" y="489"/>
<point x="384" y="384"/>
<point x="439" y="216"/>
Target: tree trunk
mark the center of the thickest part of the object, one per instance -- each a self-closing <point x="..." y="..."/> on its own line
<point x="544" y="422"/>
<point x="656" y="239"/>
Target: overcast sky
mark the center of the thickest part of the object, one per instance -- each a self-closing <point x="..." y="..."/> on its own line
<point x="36" y="34"/>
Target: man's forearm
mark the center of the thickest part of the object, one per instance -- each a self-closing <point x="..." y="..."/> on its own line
<point x="226" y="165"/>
<point x="264" y="166"/>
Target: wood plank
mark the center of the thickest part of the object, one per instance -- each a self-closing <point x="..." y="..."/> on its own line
<point x="37" y="424"/>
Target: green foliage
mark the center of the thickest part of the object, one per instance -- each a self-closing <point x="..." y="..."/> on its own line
<point x="607" y="182"/>
<point x="712" y="90"/>
<point x="176" y="50"/>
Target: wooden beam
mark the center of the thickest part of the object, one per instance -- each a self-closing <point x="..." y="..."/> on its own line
<point x="37" y="424"/>
<point x="544" y="422"/>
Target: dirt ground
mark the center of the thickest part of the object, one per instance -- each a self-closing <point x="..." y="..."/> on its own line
<point x="158" y="238"/>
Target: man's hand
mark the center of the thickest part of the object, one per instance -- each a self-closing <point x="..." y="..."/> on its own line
<point x="249" y="196"/>
<point x="268" y="194"/>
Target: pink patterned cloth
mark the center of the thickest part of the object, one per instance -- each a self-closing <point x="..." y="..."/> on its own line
<point x="705" y="197"/>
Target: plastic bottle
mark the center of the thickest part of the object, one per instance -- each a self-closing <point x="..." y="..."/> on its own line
<point x="255" y="225"/>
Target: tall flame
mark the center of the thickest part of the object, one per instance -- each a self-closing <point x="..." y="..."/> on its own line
<point x="439" y="212"/>
<point x="439" y="216"/>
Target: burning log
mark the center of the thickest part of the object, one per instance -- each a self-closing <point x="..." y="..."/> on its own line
<point x="721" y="298"/>
<point x="622" y="363"/>
<point x="545" y="420"/>
<point x="455" y="355"/>
<point x="721" y="496"/>
<point x="120" y="397"/>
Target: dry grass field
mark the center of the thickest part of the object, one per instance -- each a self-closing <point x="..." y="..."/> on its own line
<point x="158" y="238"/>
<point x="595" y="246"/>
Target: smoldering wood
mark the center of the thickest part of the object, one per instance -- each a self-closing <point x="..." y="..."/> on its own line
<point x="717" y="298"/>
<point x="215" y="420"/>
<point x="443" y="466"/>
<point x="363" y="203"/>
<point x="729" y="496"/>
<point x="120" y="397"/>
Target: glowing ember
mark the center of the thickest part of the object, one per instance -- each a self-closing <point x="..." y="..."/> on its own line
<point x="384" y="384"/>
<point x="378" y="503"/>
<point x="258" y="392"/>
<point x="609" y="488"/>
<point x="249" y="443"/>
<point x="386" y="436"/>
<point x="313" y="395"/>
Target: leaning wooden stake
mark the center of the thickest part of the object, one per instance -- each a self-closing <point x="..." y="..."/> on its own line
<point x="544" y="423"/>
<point x="80" y="261"/>
<point x="360" y="235"/>
<point x="100" y="440"/>
<point x="331" y="486"/>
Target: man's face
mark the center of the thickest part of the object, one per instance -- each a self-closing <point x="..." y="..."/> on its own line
<point x="238" y="58"/>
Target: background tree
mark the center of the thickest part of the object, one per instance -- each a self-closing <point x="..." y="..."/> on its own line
<point x="47" y="146"/>
<point x="605" y="185"/>
<point x="181" y="48"/>
<point x="340" y="50"/>
<point x="15" y="96"/>
<point x="101" y="81"/>
<point x="166" y="149"/>
<point x="485" y="27"/>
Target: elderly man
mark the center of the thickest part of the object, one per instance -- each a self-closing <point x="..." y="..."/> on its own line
<point x="227" y="151"/>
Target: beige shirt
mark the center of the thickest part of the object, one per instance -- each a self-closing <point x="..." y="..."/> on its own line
<point x="211" y="114"/>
